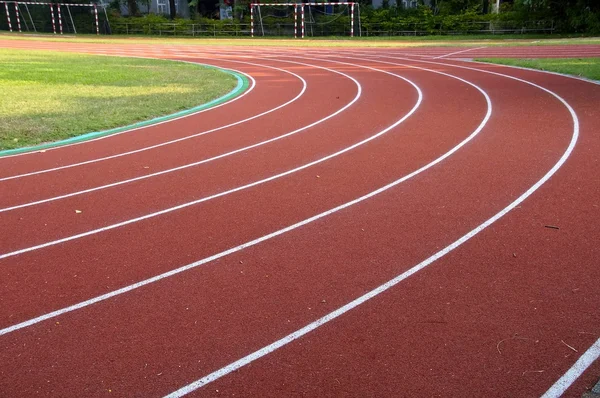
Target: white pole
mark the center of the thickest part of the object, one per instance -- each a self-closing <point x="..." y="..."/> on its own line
<point x="53" y="21"/>
<point x="497" y="6"/>
<point x="97" y="21"/>
<point x="352" y="20"/>
<point x="8" y="16"/>
<point x="302" y="20"/>
<point x="18" y="16"/>
<point x="59" y="19"/>
<point x="251" y="20"/>
<point x="295" y="21"/>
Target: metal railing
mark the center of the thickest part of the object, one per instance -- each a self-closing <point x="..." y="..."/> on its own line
<point x="384" y="29"/>
<point x="457" y="28"/>
<point x="176" y="29"/>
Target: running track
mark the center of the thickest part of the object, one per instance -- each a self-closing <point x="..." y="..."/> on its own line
<point x="252" y="259"/>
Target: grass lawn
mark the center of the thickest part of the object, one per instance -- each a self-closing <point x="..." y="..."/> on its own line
<point x="342" y="41"/>
<point x="49" y="96"/>
<point x="583" y="67"/>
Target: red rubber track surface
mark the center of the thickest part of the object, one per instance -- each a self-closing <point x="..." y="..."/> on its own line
<point x="494" y="317"/>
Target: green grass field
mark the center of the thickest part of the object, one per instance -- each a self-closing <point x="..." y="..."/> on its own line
<point x="396" y="41"/>
<point x="51" y="96"/>
<point x="582" y="67"/>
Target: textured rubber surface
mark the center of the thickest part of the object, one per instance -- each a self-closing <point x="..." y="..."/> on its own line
<point x="505" y="314"/>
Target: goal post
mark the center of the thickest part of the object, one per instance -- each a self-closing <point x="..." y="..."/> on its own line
<point x="257" y="25"/>
<point x="321" y="15"/>
<point x="257" y="20"/>
<point x="58" y="18"/>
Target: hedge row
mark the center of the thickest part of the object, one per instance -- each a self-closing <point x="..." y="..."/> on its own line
<point x="390" y="21"/>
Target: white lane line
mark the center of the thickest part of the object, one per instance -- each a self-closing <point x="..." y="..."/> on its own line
<point x="391" y="283"/>
<point x="405" y="57"/>
<point x="240" y="188"/>
<point x="458" y="52"/>
<point x="584" y="362"/>
<point x="178" y="139"/>
<point x="223" y="155"/>
<point x="266" y="237"/>
<point x="272" y="235"/>
<point x="583" y="79"/>
<point x="253" y="85"/>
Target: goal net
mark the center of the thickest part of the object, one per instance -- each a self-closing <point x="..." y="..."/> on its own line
<point x="273" y="19"/>
<point x="57" y="18"/>
<point x="305" y="19"/>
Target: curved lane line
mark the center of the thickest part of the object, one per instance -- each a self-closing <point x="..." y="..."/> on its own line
<point x="178" y="139"/>
<point x="242" y="246"/>
<point x="593" y="353"/>
<point x="583" y="79"/>
<point x="238" y="92"/>
<point x="254" y="242"/>
<point x="392" y="282"/>
<point x="471" y="61"/>
<point x="185" y="166"/>
<point x="240" y="188"/>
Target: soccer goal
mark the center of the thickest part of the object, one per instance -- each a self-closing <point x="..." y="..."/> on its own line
<point x="274" y="19"/>
<point x="58" y="18"/>
<point x="305" y="19"/>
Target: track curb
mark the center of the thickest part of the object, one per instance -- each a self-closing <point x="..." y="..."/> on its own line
<point x="242" y="86"/>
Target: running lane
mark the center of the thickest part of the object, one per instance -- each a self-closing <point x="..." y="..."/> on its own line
<point x="436" y="333"/>
<point x="506" y="314"/>
<point x="274" y="87"/>
<point x="229" y="308"/>
<point x="340" y="91"/>
<point x="208" y="219"/>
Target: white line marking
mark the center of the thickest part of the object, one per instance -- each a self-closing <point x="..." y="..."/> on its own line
<point x="167" y="121"/>
<point x="574" y="372"/>
<point x="240" y="188"/>
<point x="375" y="292"/>
<point x="458" y="52"/>
<point x="223" y="155"/>
<point x="583" y="79"/>
<point x="244" y="245"/>
<point x="153" y="124"/>
<point x="269" y="236"/>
